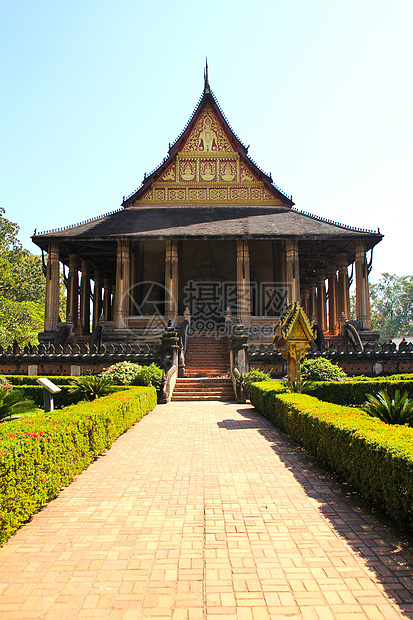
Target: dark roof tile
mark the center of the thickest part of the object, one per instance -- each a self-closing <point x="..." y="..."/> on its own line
<point x="199" y="221"/>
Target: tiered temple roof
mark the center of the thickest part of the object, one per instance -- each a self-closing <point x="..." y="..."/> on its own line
<point x="208" y="187"/>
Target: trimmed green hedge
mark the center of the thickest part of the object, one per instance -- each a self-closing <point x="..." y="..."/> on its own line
<point x="374" y="457"/>
<point x="42" y="453"/>
<point x="61" y="399"/>
<point x="354" y="391"/>
<point x="32" y="379"/>
<point x="260" y="395"/>
<point x="402" y="375"/>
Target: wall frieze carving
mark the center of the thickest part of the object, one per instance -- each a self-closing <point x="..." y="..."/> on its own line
<point x="195" y="194"/>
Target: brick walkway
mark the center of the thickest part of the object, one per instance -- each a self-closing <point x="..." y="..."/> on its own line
<point x="204" y="510"/>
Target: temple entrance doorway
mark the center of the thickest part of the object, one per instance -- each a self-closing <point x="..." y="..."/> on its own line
<point x="209" y="282"/>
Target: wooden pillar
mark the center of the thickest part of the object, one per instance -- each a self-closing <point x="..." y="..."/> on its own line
<point x="85" y="297"/>
<point x="72" y="300"/>
<point x="97" y="298"/>
<point x="292" y="270"/>
<point x="107" y="299"/>
<point x="305" y="298"/>
<point x="312" y="300"/>
<point x="171" y="282"/>
<point x="321" y="299"/>
<point x="51" y="314"/>
<point x="362" y="289"/>
<point x="348" y="313"/>
<point x="243" y="281"/>
<point x="333" y="323"/>
<point x="122" y="292"/>
<point x="133" y="278"/>
<point x="343" y="292"/>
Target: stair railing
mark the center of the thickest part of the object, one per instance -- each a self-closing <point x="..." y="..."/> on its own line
<point x="238" y="359"/>
<point x="170" y="348"/>
<point x="183" y="342"/>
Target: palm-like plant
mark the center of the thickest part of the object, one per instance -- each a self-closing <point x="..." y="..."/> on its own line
<point x="305" y="385"/>
<point x="12" y="402"/>
<point x="396" y="411"/>
<point x="91" y="386"/>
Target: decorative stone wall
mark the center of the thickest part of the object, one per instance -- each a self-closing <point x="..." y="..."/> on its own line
<point x="379" y="361"/>
<point x="46" y="360"/>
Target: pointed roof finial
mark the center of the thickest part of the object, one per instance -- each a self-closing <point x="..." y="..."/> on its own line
<point x="206" y="82"/>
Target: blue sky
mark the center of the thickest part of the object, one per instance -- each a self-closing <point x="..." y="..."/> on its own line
<point x="93" y="92"/>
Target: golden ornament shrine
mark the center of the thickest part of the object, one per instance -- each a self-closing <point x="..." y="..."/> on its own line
<point x="294" y="336"/>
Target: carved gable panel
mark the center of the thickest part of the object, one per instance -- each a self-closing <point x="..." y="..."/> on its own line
<point x="298" y="332"/>
<point x="170" y="173"/>
<point x="246" y="175"/>
<point x="207" y="170"/>
<point x="207" y="136"/>
<point x="187" y="170"/>
<point x="228" y="171"/>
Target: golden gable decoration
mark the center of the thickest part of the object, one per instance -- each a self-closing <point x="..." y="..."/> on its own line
<point x="207" y="136"/>
<point x="207" y="170"/>
<point x="170" y="173"/>
<point x="246" y="175"/>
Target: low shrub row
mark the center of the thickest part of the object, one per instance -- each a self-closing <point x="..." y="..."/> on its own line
<point x="321" y="369"/>
<point x="19" y="380"/>
<point x="122" y="373"/>
<point x="258" y="396"/>
<point x="354" y="391"/>
<point x="119" y="377"/>
<point x="42" y="453"/>
<point x="61" y="399"/>
<point x="129" y="373"/>
<point x="375" y="458"/>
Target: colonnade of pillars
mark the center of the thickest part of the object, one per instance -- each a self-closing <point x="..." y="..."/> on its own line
<point x="116" y="305"/>
<point x="78" y="300"/>
<point x="327" y="304"/>
<point x="324" y="303"/>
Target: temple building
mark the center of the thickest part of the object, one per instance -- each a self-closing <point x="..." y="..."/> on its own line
<point x="207" y="235"/>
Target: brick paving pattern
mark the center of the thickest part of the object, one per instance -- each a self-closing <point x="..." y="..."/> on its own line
<point x="204" y="510"/>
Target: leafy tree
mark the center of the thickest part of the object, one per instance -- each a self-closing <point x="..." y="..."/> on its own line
<point x="22" y="288"/>
<point x="28" y="281"/>
<point x="392" y="306"/>
<point x="20" y="321"/>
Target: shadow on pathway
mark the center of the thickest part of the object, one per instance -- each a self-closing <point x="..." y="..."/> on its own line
<point x="371" y="534"/>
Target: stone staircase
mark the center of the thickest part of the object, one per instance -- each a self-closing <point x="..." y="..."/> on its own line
<point x="206" y="356"/>
<point x="203" y="388"/>
<point x="206" y="370"/>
